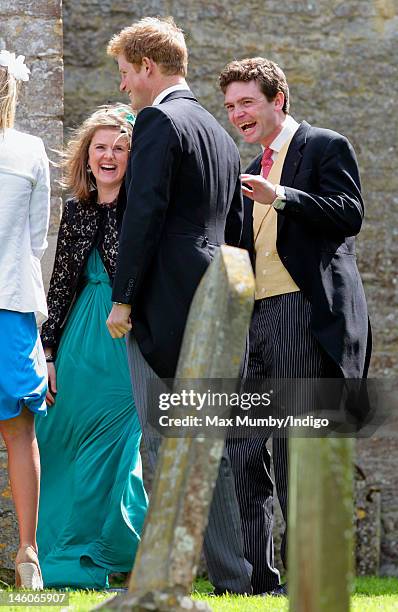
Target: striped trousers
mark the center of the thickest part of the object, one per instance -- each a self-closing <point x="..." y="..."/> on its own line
<point x="223" y="543"/>
<point x="281" y="345"/>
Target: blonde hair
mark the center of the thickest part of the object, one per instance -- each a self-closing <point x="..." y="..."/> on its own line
<point x="8" y="98"/>
<point x="157" y="38"/>
<point x="76" y="177"/>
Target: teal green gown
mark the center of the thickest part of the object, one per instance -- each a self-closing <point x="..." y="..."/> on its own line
<point x="92" y="499"/>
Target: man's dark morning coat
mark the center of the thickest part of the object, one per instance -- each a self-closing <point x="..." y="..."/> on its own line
<point x="183" y="201"/>
<point x="315" y="241"/>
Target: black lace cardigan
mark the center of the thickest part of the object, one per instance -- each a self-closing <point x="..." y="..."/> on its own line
<point x="83" y="227"/>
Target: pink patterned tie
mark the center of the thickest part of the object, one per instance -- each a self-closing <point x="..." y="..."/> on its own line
<point x="266" y="162"/>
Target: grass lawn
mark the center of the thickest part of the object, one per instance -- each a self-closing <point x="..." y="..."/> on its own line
<point x="371" y="595"/>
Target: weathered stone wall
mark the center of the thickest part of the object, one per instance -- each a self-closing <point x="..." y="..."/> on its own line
<point x="340" y="60"/>
<point x="33" y="28"/>
<point x="338" y="57"/>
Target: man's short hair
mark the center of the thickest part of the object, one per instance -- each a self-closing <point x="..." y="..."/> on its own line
<point x="157" y="38"/>
<point x="267" y="74"/>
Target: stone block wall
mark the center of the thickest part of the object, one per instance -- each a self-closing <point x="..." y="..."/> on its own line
<point x="340" y="61"/>
<point x="33" y="28"/>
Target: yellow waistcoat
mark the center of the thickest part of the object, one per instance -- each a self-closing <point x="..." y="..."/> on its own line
<point x="272" y="278"/>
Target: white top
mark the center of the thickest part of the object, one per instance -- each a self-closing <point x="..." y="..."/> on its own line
<point x="24" y="219"/>
<point x="169" y="90"/>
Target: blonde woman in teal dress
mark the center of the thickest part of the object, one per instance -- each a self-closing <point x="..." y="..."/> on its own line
<point x="93" y="501"/>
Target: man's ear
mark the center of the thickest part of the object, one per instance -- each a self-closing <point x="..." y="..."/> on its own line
<point x="148" y="65"/>
<point x="279" y="100"/>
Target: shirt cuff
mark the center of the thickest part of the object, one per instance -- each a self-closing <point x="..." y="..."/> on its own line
<point x="280" y="200"/>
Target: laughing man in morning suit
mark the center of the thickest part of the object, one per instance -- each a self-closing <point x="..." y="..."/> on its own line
<point x="303" y="209"/>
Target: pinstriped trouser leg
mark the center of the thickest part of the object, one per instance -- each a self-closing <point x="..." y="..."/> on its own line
<point x="281" y="346"/>
<point x="223" y="542"/>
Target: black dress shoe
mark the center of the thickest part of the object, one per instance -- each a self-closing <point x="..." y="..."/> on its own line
<point x="279" y="591"/>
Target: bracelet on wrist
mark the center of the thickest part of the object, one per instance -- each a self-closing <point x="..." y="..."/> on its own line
<point x="50" y="358"/>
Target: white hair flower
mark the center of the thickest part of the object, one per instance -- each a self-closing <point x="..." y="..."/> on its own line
<point x="15" y="65"/>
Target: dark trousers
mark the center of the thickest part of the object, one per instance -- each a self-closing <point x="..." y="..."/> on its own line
<point x="281" y="345"/>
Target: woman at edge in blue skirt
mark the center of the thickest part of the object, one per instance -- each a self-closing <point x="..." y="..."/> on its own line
<point x="24" y="218"/>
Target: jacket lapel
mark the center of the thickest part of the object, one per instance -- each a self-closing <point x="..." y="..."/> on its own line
<point x="292" y="162"/>
<point x="294" y="155"/>
<point x="255" y="166"/>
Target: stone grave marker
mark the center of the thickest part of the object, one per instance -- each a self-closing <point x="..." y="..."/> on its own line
<point x="320" y="524"/>
<point x="187" y="468"/>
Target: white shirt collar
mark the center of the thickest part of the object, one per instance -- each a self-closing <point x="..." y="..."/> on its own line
<point x="169" y="90"/>
<point x="289" y="128"/>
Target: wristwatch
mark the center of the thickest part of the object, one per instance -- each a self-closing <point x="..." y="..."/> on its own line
<point x="280" y="200"/>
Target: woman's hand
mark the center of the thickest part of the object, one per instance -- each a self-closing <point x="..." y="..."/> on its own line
<point x="52" y="384"/>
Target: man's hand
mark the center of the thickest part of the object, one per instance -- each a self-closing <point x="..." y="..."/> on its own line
<point x="119" y="321"/>
<point x="260" y="190"/>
